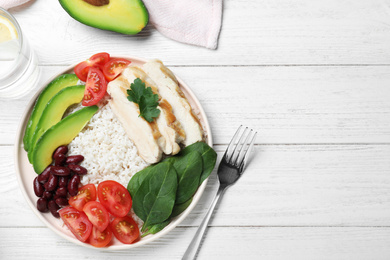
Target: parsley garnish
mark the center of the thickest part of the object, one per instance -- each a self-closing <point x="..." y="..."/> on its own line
<point x="146" y="100"/>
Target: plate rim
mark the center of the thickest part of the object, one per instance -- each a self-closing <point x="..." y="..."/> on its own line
<point x="18" y="145"/>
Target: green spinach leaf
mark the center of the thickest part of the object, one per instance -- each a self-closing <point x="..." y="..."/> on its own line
<point x="154" y="200"/>
<point x="153" y="229"/>
<point x="189" y="169"/>
<point x="137" y="179"/>
<point x="163" y="191"/>
<point x="179" y="208"/>
<point x="209" y="157"/>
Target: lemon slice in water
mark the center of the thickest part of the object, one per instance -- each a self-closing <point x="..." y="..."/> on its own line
<point x="7" y="30"/>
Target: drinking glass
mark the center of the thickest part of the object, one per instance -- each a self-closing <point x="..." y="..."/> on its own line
<point x="19" y="71"/>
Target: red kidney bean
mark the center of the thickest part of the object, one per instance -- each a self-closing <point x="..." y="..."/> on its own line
<point x="80" y="170"/>
<point x="42" y="205"/>
<point x="61" y="192"/>
<point x="60" y="171"/>
<point x="47" y="195"/>
<point x="38" y="187"/>
<point x="74" y="159"/>
<point x="51" y="184"/>
<point x="55" y="196"/>
<point x="60" y="150"/>
<point x="63" y="181"/>
<point x="53" y="207"/>
<point x="44" y="176"/>
<point x="60" y="159"/>
<point x="62" y="202"/>
<point x="73" y="185"/>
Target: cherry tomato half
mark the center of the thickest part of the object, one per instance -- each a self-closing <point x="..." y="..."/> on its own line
<point x="114" y="67"/>
<point x="115" y="198"/>
<point x="100" y="238"/>
<point x="97" y="60"/>
<point x="85" y="194"/>
<point x="97" y="214"/>
<point x="125" y="229"/>
<point x="77" y="222"/>
<point x="95" y="87"/>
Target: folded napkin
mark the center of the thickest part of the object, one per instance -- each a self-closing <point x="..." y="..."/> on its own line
<point x="196" y="22"/>
<point x="6" y="4"/>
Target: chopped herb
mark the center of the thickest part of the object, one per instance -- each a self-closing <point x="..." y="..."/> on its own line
<point x="146" y="100"/>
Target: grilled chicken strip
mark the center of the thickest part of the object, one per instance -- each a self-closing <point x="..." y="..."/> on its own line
<point x="169" y="89"/>
<point x="143" y="134"/>
<point x="171" y="131"/>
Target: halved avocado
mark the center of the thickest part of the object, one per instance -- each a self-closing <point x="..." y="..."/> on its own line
<point x="54" y="111"/>
<point x="53" y="88"/>
<point x="123" y="16"/>
<point x="61" y="133"/>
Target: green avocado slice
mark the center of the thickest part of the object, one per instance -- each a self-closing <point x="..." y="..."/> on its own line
<point x="123" y="16"/>
<point x="53" y="88"/>
<point x="54" y="111"/>
<point x="61" y="133"/>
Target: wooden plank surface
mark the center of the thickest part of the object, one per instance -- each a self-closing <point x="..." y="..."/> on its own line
<point x="285" y="104"/>
<point x="299" y="185"/>
<point x="272" y="243"/>
<point x="254" y="32"/>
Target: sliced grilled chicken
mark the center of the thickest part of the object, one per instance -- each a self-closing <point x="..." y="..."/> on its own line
<point x="169" y="89"/>
<point x="143" y="134"/>
<point x="171" y="132"/>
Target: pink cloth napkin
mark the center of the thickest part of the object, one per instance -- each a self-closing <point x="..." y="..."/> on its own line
<point x="6" y="4"/>
<point x="196" y="22"/>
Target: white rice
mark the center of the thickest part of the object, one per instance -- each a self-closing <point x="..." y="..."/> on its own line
<point x="108" y="152"/>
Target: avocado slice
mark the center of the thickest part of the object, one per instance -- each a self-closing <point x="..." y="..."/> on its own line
<point x="61" y="133"/>
<point x="53" y="88"/>
<point x="123" y="16"/>
<point x="54" y="111"/>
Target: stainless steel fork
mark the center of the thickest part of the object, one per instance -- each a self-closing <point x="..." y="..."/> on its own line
<point x="229" y="171"/>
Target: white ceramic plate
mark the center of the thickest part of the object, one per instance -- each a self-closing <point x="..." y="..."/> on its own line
<point x="25" y="172"/>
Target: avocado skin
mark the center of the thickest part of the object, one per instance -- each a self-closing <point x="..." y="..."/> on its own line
<point x="122" y="16"/>
<point x="61" y="133"/>
<point x="54" y="111"/>
<point x="53" y="88"/>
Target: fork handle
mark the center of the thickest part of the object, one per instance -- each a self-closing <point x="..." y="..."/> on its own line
<point x="195" y="243"/>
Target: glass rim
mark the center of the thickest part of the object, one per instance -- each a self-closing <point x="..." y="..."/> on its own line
<point x="16" y="24"/>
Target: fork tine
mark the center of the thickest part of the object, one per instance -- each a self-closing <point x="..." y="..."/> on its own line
<point x="240" y="144"/>
<point x="241" y="155"/>
<point x="226" y="155"/>
<point x="247" y="152"/>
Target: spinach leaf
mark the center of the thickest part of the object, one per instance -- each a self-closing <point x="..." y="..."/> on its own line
<point x="163" y="191"/>
<point x="137" y="179"/>
<point x="154" y="200"/>
<point x="209" y="157"/>
<point x="189" y="169"/>
<point x="179" y="208"/>
<point x="153" y="229"/>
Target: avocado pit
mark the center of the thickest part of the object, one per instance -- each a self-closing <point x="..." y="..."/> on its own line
<point x="98" y="2"/>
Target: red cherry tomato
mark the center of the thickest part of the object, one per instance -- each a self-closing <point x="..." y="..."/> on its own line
<point x="100" y="238"/>
<point x="125" y="229"/>
<point x="81" y="70"/>
<point x="97" y="214"/>
<point x="114" y="67"/>
<point x="77" y="222"/>
<point x="115" y="198"/>
<point x="95" y="87"/>
<point x="85" y="194"/>
<point x="97" y="60"/>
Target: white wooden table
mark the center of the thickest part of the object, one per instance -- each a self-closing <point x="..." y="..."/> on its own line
<point x="313" y="77"/>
